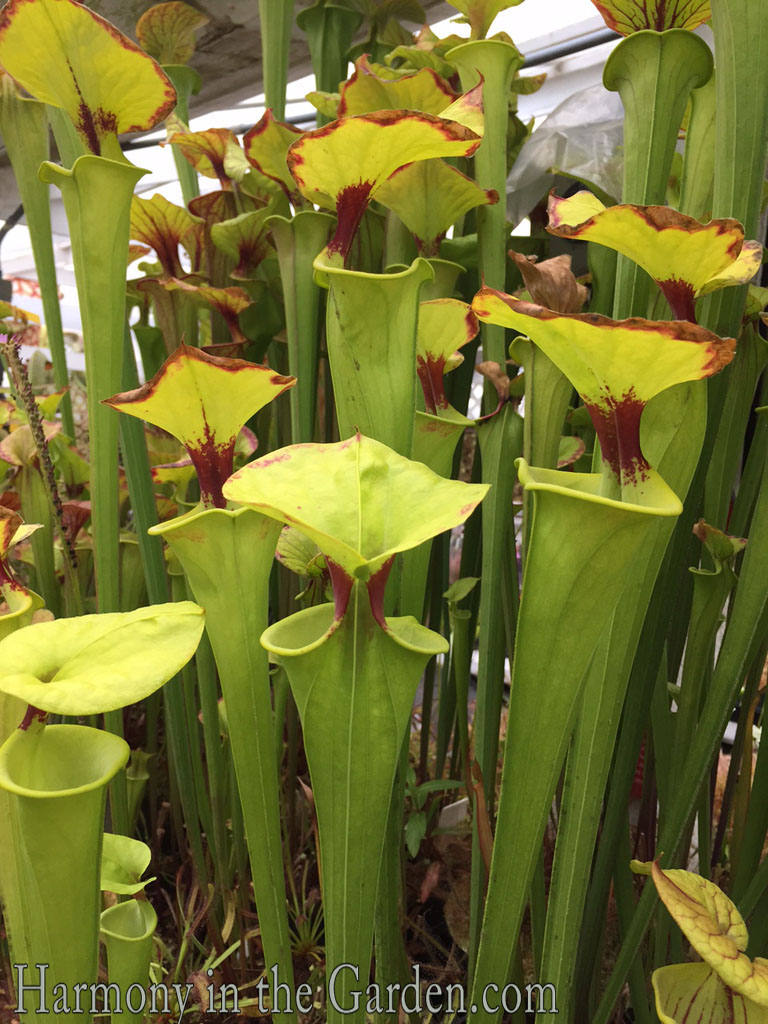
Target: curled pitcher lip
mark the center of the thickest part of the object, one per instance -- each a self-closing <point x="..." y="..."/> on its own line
<point x="654" y="497"/>
<point x="60" y="761"/>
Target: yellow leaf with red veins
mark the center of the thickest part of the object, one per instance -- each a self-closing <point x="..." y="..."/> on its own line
<point x="229" y="302"/>
<point x="343" y="164"/>
<point x="429" y="196"/>
<point x="359" y="153"/>
<point x="213" y="207"/>
<point x="161" y="225"/>
<point x="444" y="326"/>
<point x="167" y="31"/>
<point x="137" y="252"/>
<point x="692" y="993"/>
<point x="616" y="366"/>
<point x="714" y="928"/>
<point x="67" y="56"/>
<point x="266" y="146"/>
<point x="628" y="16"/>
<point x="204" y="401"/>
<point x="13" y="530"/>
<point x="376" y="87"/>
<point x="244" y="238"/>
<point x="207" y="151"/>
<point x="686" y="258"/>
<point x="193" y="242"/>
<point x="599" y="354"/>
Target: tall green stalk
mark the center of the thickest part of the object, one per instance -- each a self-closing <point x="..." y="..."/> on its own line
<point x="133" y="448"/>
<point x="741" y="49"/>
<point x="682" y="411"/>
<point x="596" y="541"/>
<point x="353" y="671"/>
<point x="330" y="29"/>
<point x="741" y="130"/>
<point x="501" y="443"/>
<point x="24" y="128"/>
<point x="298" y="242"/>
<point x="276" y="19"/>
<point x="746" y="632"/>
<point x="352" y="773"/>
<point x="97" y="195"/>
<point x="497" y="62"/>
<point x="239" y="546"/>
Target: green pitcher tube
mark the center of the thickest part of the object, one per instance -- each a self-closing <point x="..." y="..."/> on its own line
<point x="56" y="777"/>
<point x="330" y="30"/>
<point x="127" y="930"/>
<point x="298" y="241"/>
<point x="11" y="713"/>
<point x="353" y="671"/>
<point x="97" y="195"/>
<point x="371" y="336"/>
<point x="22" y="605"/>
<point x="239" y="547"/>
<point x="24" y="128"/>
<point x="651" y="71"/>
<point x="434" y="443"/>
<point x="497" y="62"/>
<point x="275" y="18"/>
<point x="670" y="435"/>
<point x="354" y="684"/>
<point x="581" y="545"/>
<point x="444" y="283"/>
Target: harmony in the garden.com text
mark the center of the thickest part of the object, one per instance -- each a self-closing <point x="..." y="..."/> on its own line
<point x="413" y="997"/>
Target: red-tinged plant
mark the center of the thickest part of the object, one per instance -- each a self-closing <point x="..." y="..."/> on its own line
<point x="342" y="165"/>
<point x="685" y="258"/>
<point x="187" y="398"/>
<point x="295" y="779"/>
<point x="654" y="355"/>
